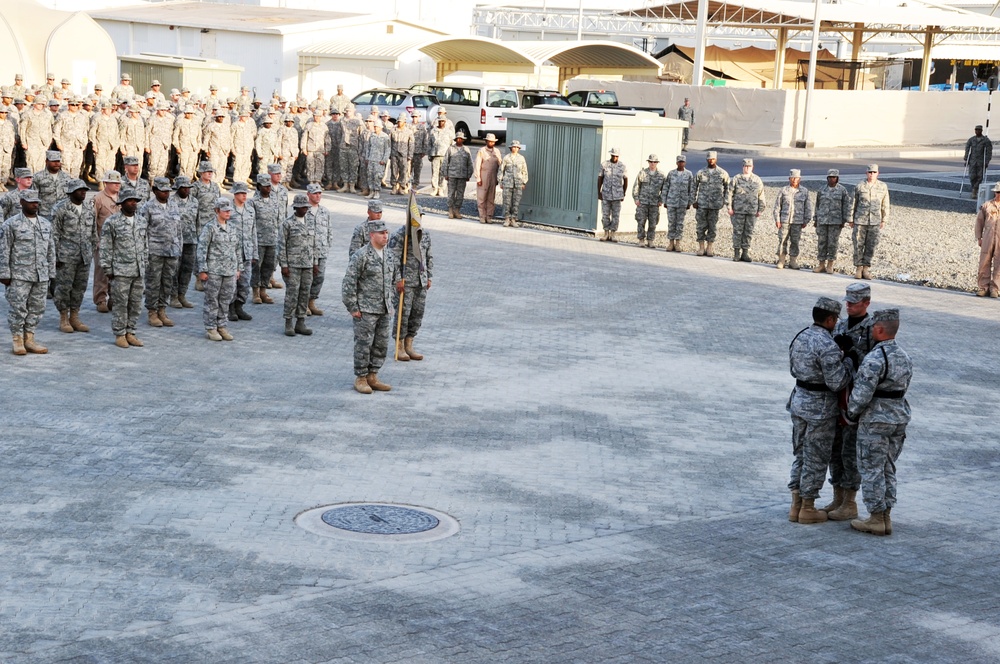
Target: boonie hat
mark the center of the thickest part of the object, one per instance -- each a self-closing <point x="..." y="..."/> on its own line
<point x="491" y="137"/>
<point x="615" y="152"/>
<point x="653" y="159"/>
<point x="112" y="177"/>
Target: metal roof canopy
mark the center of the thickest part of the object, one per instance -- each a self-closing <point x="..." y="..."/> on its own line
<point x="471" y="53"/>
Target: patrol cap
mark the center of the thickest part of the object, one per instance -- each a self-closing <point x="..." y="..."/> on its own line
<point x="873" y="168"/>
<point x="885" y="315"/>
<point x="653" y="159"/>
<point x="833" y="173"/>
<point x="274" y="168"/>
<point x="441" y="118"/>
<point x="287" y="117"/>
<point x="828" y="304"/>
<point x="29" y="196"/>
<point x="263" y="180"/>
<point x="223" y="204"/>
<point x="244" y="88"/>
<point x="75" y="185"/>
<point x="442" y="111"/>
<point x="3" y="110"/>
<point x="18" y="77"/>
<point x="266" y="120"/>
<point x="163" y="106"/>
<point x="113" y="177"/>
<point x="374" y="205"/>
<point x="682" y="159"/>
<point x="300" y="201"/>
<point x="182" y="182"/>
<point x="213" y="86"/>
<point x="794" y="173"/>
<point x="858" y="292"/>
<point x="245" y="113"/>
<point x="978" y="127"/>
<point x="615" y="152"/>
<point x="239" y="188"/>
<point x="130" y="161"/>
<point x="162" y="184"/>
<point x="748" y="162"/>
<point x="128" y="194"/>
<point x="98" y="86"/>
<point x="377" y="226"/>
<point x="712" y="154"/>
<point x="414" y="114"/>
<point x="334" y="111"/>
<point x="384" y="113"/>
<point x="314" y="188"/>
<point x="53" y="155"/>
<point x="185" y="89"/>
<point x="205" y="167"/>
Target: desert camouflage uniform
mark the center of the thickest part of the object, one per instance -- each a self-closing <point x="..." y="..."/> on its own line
<point x="332" y="165"/>
<point x="217" y="142"/>
<point x="678" y="195"/>
<point x="647" y="192"/>
<point x="159" y="132"/>
<point x="105" y="138"/>
<point x="350" y="149"/>
<point x="288" y="150"/>
<point x="187" y="142"/>
<point x="268" y="146"/>
<point x="315" y="143"/>
<point x="124" y="256"/>
<point x="297" y="252"/>
<point x="51" y="189"/>
<point x="711" y="191"/>
<point x="513" y="178"/>
<point x="133" y="135"/>
<point x="417" y="274"/>
<point x="217" y="255"/>
<point x="244" y="134"/>
<point x="8" y="143"/>
<point x="833" y="211"/>
<point x="377" y="155"/>
<point x="71" y="139"/>
<point x="35" y="128"/>
<point x="421" y="143"/>
<point x="121" y="91"/>
<point x="612" y="193"/>
<point x="871" y="209"/>
<point x="746" y="200"/>
<point x="243" y="223"/>
<point x="28" y="259"/>
<point x="368" y="287"/>
<point x="165" y="240"/>
<point x="439" y="141"/>
<point x="793" y="208"/>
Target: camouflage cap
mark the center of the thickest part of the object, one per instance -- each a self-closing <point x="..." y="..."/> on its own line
<point x="515" y="144"/>
<point x="748" y="162"/>
<point x="182" y="182"/>
<point x="267" y="120"/>
<point x="314" y="188"/>
<point x="274" y="168"/>
<point x="374" y="205"/>
<point x="873" y="168"/>
<point x="112" y="177"/>
<point x="858" y="292"/>
<point x="205" y="167"/>
<point x="828" y="304"/>
<point x="300" y="201"/>
<point x="885" y="315"/>
<point x="53" y="155"/>
<point x="126" y="77"/>
<point x="98" y="86"/>
<point x="155" y="82"/>
<point x="163" y="106"/>
<point x="3" y="109"/>
<point x="239" y="188"/>
<point x="682" y="159"/>
<point x="128" y="194"/>
<point x="794" y="173"/>
<point x="263" y="180"/>
<point x="288" y="117"/>
<point x="712" y="154"/>
<point x="162" y="184"/>
<point x="213" y="86"/>
<point x="74" y="184"/>
<point x="29" y="196"/>
<point x="996" y="187"/>
<point x="491" y="138"/>
<point x="377" y="226"/>
<point x="22" y="173"/>
<point x="402" y="117"/>
<point x="54" y="102"/>
<point x="833" y="173"/>
<point x="223" y="204"/>
<point x="459" y="135"/>
<point x="653" y="159"/>
<point x="130" y="161"/>
<point x="615" y="152"/>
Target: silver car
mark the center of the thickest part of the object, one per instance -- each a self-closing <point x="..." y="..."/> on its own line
<point x="396" y="101"/>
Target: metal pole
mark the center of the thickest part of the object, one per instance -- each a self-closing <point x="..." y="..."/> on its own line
<point x="699" y="44"/>
<point x="579" y="23"/>
<point x="811" y="79"/>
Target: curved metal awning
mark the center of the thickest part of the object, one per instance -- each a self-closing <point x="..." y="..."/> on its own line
<point x="592" y="57"/>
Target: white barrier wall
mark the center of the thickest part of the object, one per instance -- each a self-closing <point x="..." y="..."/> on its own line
<point x="840" y="118"/>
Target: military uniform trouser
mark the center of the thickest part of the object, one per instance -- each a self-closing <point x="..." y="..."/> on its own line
<point x="413" y="302"/>
<point x="242" y="292"/>
<point x="242" y="163"/>
<point x="71" y="284"/>
<point x="456" y="192"/>
<point x="349" y="164"/>
<point x="844" y="458"/>
<point x="675" y="222"/>
<point x="812" y="441"/>
<point x="684" y="137"/>
<point x="185" y="268"/>
<point x="315" y="162"/>
<point x="104" y="161"/>
<point x="297" y="285"/>
<point x="512" y="201"/>
<point x="263" y="269"/>
<point x="865" y="240"/>
<point x="26" y="304"/>
<point x="879" y="446"/>
<point x="743" y="230"/>
<point x="611" y="212"/>
<point x="437" y="180"/>
<point x="647" y="215"/>
<point x="158" y="160"/>
<point x="101" y="286"/>
<point x="6" y="166"/>
<point x="373" y="181"/>
<point x="187" y="163"/>
<point x="400" y="170"/>
<point x="371" y="342"/>
<point x="126" y="301"/>
<point x="220" y="162"/>
<point x="988" y="275"/>
<point x="827" y="239"/>
<point x="705" y="223"/>
<point x="161" y="271"/>
<point x="72" y="161"/>
<point x="486" y="199"/>
<point x="976" y="172"/>
<point x="788" y="239"/>
<point x="219" y="293"/>
<point x="34" y="158"/>
<point x="287" y="170"/>
<point x="416" y="165"/>
<point x="331" y="167"/>
<point x="318" y="279"/>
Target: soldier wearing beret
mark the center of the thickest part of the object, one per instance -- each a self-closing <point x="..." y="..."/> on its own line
<point x="27" y="262"/>
<point x="218" y="270"/>
<point x="124" y="257"/>
<point x="74" y="228"/>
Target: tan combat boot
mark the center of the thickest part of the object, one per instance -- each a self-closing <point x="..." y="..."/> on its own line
<point x="121" y="342"/>
<point x="793" y="512"/>
<point x="838" y="498"/>
<point x="793" y="263"/>
<point x="820" y="267"/>
<point x="162" y="315"/>
<point x="395" y="190"/>
<point x="402" y="356"/>
<point x="709" y="249"/>
<point x="874" y="524"/>
<point x="184" y="302"/>
<point x="677" y="245"/>
<point x="701" y="248"/>
<point x="256" y="296"/>
<point x="781" y="261"/>
<point x="313" y="309"/>
<point x="275" y="284"/>
<point x="408" y="346"/>
<point x="18" y="347"/>
<point x="132" y="340"/>
<point x="376" y="384"/>
<point x="74" y="320"/>
<point x="224" y="333"/>
<point x="264" y="297"/>
<point x="866" y="274"/>
<point x="175" y="302"/>
<point x="858" y="271"/>
<point x="351" y="188"/>
<point x="361" y="385"/>
<point x="31" y="346"/>
<point x="64" y="325"/>
<point x="888" y="521"/>
<point x="847" y="509"/>
<point x="809" y="514"/>
<point x="154" y="319"/>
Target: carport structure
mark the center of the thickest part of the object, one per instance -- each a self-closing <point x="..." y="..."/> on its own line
<point x="470" y="53"/>
<point x="857" y="23"/>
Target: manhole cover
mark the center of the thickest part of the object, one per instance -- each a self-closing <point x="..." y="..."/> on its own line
<point x="378" y="522"/>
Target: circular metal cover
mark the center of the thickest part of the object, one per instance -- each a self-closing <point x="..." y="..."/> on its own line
<point x="378" y="522"/>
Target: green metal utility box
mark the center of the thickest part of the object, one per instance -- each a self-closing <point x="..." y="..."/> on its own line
<point x="564" y="151"/>
<point x="177" y="72"/>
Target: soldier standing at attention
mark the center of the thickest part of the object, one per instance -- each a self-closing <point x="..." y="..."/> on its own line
<point x="792" y="210"/>
<point x="457" y="167"/>
<point x="421" y="134"/>
<point x="871" y="209"/>
<point x="686" y="113"/>
<point x="74" y="227"/>
<point x="416" y="275"/>
<point x="711" y="190"/>
<point x="485" y="171"/>
<point x="159" y="131"/>
<point x="513" y="179"/>
<point x="879" y="406"/>
<point x="187" y="206"/>
<point x="162" y="218"/>
<point x="989" y="246"/>
<point x="833" y="212"/>
<point x="27" y="262"/>
<point x="377" y="153"/>
<point x="439" y="141"/>
<point x="50" y="182"/>
<point x="218" y="270"/>
<point x="359" y="237"/>
<point x="124" y="255"/>
<point x="367" y="295"/>
<point x="612" y="181"/>
<point x="978" y="154"/>
<point x="187" y="142"/>
<point x="336" y="131"/>
<point x="647" y="193"/>
<point x="678" y="194"/>
<point x="10" y="203"/>
<point x="401" y="140"/>
<point x="297" y="257"/>
<point x="8" y="140"/>
<point x="746" y="202"/>
<point x="315" y="145"/>
<point x="269" y="214"/>
<point x="243" y="223"/>
<point x="105" y="205"/>
<point x="319" y="222"/>
<point x="349" y="149"/>
<point x="820" y="371"/>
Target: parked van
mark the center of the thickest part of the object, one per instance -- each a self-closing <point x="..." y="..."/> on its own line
<point x="475" y="108"/>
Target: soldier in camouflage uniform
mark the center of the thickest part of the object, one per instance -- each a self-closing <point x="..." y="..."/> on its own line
<point x="217" y="143"/>
<point x="187" y="206"/>
<point x="133" y="133"/>
<point x="349" y="147"/>
<point x="612" y="181"/>
<point x="978" y="154"/>
<point x="27" y="262"/>
<point x="854" y="335"/>
<point x="833" y="212"/>
<point x="131" y="179"/>
<point x="8" y="142"/>
<point x="746" y="202"/>
<point x="207" y="193"/>
<point x="871" y="209"/>
<point x="74" y="228"/>
<point x="332" y="165"/>
<point x="71" y="137"/>
<point x="297" y="258"/>
<point x="165" y="235"/>
<point x="678" y="195"/>
<point x="792" y="210"/>
<point x="244" y="134"/>
<point x="289" y="147"/>
<point x="647" y="193"/>
<point x="457" y="168"/>
<point x="513" y="177"/>
<point x="35" y="128"/>
<point x="401" y="141"/>
<point x="367" y="294"/>
<point x="187" y="142"/>
<point x="711" y="191"/>
<point x="416" y="275"/>
<point x="269" y="214"/>
<point x="105" y="138"/>
<point x="218" y="270"/>
<point x="315" y="145"/>
<point x="124" y="256"/>
<point x="439" y="142"/>
<point x="267" y="145"/>
<point x="10" y="202"/>
<point x="124" y="90"/>
<point x="377" y="154"/>
<point x="243" y="222"/>
<point x="879" y="406"/>
<point x="421" y="138"/>
<point x="318" y="218"/>
<point x="50" y="182"/>
<point x="159" y="131"/>
<point x="359" y="237"/>
<point x="820" y="371"/>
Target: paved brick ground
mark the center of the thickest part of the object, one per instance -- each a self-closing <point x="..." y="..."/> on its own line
<point x="606" y="422"/>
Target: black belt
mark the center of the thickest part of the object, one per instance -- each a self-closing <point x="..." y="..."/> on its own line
<point x="812" y="387"/>
<point x="890" y="394"/>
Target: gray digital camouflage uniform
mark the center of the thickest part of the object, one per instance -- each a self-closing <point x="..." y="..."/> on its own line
<point x="833" y="212"/>
<point x="513" y="178"/>
<point x="124" y="256"/>
<point x="217" y="246"/>
<point x="243" y="223"/>
<point x="318" y="219"/>
<point x="349" y="149"/>
<point x="74" y="228"/>
<point x="711" y="191"/>
<point x="71" y="139"/>
<point x="793" y="208"/>
<point x="457" y="169"/>
<point x="440" y="139"/>
<point x="188" y="209"/>
<point x="844" y="453"/>
<point x="647" y="192"/>
<point x="871" y="209"/>
<point x="28" y="259"/>
<point x="417" y="273"/>
<point x="377" y="153"/>
<point x="269" y="215"/>
<point x="612" y="193"/>
<point x="297" y="252"/>
<point x="678" y="195"/>
<point x="315" y="144"/>
<point x="359" y="238"/>
<point x="165" y="238"/>
<point x="368" y="287"/>
<point x="746" y="200"/>
<point x="421" y="144"/>
<point x="401" y="139"/>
